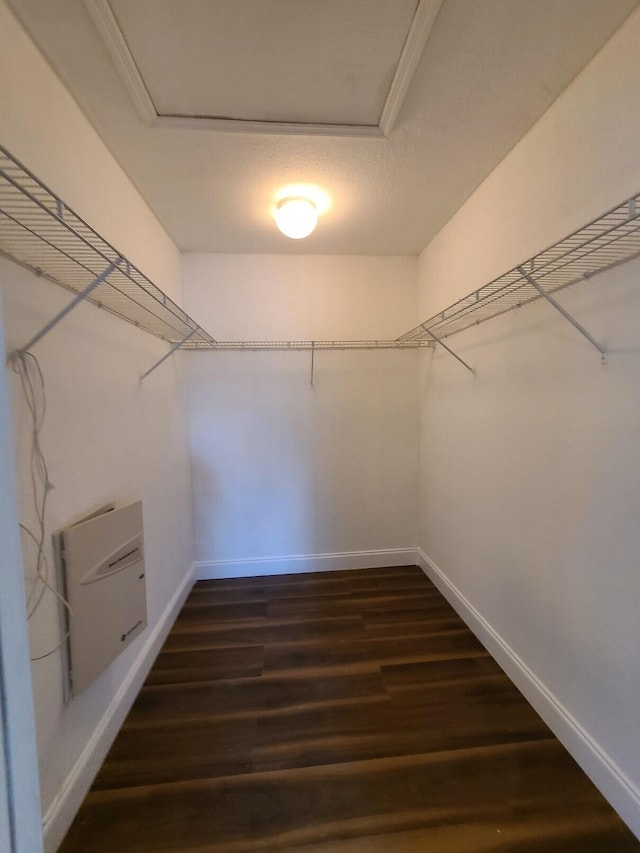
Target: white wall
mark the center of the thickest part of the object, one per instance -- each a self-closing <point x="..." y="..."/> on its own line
<point x="105" y="437"/>
<point x="19" y="790"/>
<point x="530" y="473"/>
<point x="579" y="160"/>
<point x="301" y="297"/>
<point x="283" y="469"/>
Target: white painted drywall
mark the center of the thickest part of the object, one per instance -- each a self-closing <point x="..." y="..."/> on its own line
<point x="281" y="468"/>
<point x="530" y="472"/>
<point x="106" y="438"/>
<point x="579" y="160"/>
<point x="19" y="793"/>
<point x="301" y="297"/>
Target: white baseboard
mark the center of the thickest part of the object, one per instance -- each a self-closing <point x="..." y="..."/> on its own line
<point x="619" y="790"/>
<point x="61" y="812"/>
<point x="303" y="563"/>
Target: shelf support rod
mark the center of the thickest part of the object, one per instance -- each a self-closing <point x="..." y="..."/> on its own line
<point x="170" y="353"/>
<point x="448" y="349"/>
<point x="562" y="310"/>
<point x="79" y="297"/>
<point x="313" y="353"/>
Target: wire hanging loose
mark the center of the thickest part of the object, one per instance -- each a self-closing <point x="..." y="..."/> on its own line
<point x="34" y="392"/>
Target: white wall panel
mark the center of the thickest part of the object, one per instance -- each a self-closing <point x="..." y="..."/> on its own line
<point x="105" y="438"/>
<point x="19" y="794"/>
<point x="281" y="468"/>
<point x="530" y="469"/>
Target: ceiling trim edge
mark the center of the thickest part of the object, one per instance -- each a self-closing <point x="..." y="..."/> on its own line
<point x="414" y="46"/>
<point x="233" y="125"/>
<point x="110" y="32"/>
<point x="419" y="32"/>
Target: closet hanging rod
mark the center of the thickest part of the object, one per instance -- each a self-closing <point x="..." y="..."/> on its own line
<point x="284" y="346"/>
<point x="604" y="243"/>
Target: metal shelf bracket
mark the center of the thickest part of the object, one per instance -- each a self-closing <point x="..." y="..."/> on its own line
<point x="562" y="311"/>
<point x="80" y="297"/>
<point x="448" y="349"/>
<point x="313" y="353"/>
<point x="168" y="354"/>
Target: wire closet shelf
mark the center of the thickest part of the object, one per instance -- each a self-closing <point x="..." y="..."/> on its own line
<point x="39" y="231"/>
<point x="608" y="241"/>
<point x="42" y="233"/>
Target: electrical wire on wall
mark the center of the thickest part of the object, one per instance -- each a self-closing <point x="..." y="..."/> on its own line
<point x="34" y="392"/>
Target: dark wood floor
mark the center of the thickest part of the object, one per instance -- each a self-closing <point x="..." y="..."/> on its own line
<point x="346" y="711"/>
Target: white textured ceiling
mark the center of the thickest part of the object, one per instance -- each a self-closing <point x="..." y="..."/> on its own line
<point x="489" y="70"/>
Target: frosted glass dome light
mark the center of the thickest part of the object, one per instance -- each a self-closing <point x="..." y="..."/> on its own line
<point x="296" y="217"/>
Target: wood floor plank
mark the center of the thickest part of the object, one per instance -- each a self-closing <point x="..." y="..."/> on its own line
<point x="353" y="604"/>
<point x="426" y="608"/>
<point x="175" y="752"/>
<point x="264" y="592"/>
<point x="288" y="657"/>
<point x="433" y="673"/>
<point x="251" y="697"/>
<point x="317" y="579"/>
<point x="172" y="667"/>
<point x="453" y="717"/>
<point x="270" y="811"/>
<point x="369" y="586"/>
<point x="344" y="711"/>
<point x="381" y="583"/>
<point x="591" y="834"/>
<point x="206" y="635"/>
<point x="416" y="628"/>
<point x="216" y="613"/>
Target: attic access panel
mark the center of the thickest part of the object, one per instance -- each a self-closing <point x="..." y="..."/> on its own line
<point x="235" y="60"/>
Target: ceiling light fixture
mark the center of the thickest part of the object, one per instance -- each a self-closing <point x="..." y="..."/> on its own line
<point x="296" y="216"/>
